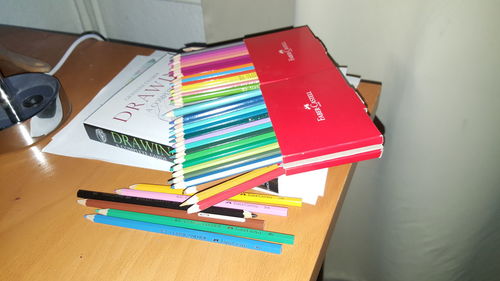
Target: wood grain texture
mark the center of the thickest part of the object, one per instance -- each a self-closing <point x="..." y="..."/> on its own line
<point x="43" y="235"/>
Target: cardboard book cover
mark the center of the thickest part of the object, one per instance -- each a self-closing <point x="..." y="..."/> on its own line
<point x="318" y="122"/>
<point x="135" y="117"/>
<point x="291" y="53"/>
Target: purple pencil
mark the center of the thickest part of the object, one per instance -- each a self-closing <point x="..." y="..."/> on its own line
<point x="213" y="53"/>
<point x="216" y="65"/>
<point x="251" y="207"/>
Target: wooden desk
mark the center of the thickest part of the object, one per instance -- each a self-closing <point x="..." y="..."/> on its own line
<point x="43" y="235"/>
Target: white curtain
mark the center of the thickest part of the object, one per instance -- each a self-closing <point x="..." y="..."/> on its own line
<point x="430" y="208"/>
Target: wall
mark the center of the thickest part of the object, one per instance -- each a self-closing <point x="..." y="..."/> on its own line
<point x="429" y="209"/>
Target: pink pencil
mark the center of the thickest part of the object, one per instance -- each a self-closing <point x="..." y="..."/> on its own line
<point x="187" y="57"/>
<point x="215" y="65"/>
<point x="251" y="207"/>
<point x="213" y="58"/>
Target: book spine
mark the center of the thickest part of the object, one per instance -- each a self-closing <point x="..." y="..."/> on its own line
<point x="135" y="144"/>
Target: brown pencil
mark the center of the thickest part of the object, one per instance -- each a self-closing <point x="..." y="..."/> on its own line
<point x="250" y="223"/>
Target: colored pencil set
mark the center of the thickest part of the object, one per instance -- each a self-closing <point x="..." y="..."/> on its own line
<point x="156" y="208"/>
<point x="221" y="127"/>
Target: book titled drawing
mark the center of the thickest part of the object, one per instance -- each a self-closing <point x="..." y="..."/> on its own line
<point x="134" y="117"/>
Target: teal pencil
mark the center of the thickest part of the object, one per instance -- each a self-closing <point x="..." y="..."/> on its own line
<point x="213" y="103"/>
<point x="188" y="233"/>
<point x="201" y="225"/>
<point x="223" y="141"/>
<point x="218" y="119"/>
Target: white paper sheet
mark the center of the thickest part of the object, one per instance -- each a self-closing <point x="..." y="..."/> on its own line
<point x="72" y="140"/>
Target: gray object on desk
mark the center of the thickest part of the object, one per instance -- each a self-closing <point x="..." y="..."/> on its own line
<point x="32" y="106"/>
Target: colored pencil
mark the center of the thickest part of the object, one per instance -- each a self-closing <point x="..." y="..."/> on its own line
<point x="188" y="168"/>
<point x="239" y="119"/>
<point x="216" y="82"/>
<point x="231" y="165"/>
<point x="206" y="193"/>
<point x="188" y="233"/>
<point x="219" y="73"/>
<point x="179" y="84"/>
<point x="250" y="207"/>
<point x="175" y="94"/>
<point x="212" y="51"/>
<point x="229" y="132"/>
<point x="226" y="173"/>
<point x="212" y="104"/>
<point x="223" y="141"/>
<point x="242" y="113"/>
<point x="209" y="155"/>
<point x="87" y="194"/>
<point x="215" y="65"/>
<point x="217" y="111"/>
<point x="203" y="226"/>
<point x="247" y="119"/>
<point x="248" y="183"/>
<point x="217" y="93"/>
<point x="239" y="141"/>
<point x="251" y="223"/>
<point x="242" y="197"/>
<point x="224" y="134"/>
<point x="212" y="58"/>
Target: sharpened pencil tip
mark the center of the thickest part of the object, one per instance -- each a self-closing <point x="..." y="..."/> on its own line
<point x="89" y="217"/>
<point x="82" y="202"/>
<point x="193" y="209"/>
<point x="102" y="211"/>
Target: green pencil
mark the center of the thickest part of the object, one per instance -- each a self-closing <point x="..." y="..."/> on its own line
<point x="201" y="225"/>
<point x="224" y="139"/>
<point x="227" y="159"/>
<point x="227" y="149"/>
<point x="219" y="93"/>
<point x="191" y="161"/>
<point x="236" y="163"/>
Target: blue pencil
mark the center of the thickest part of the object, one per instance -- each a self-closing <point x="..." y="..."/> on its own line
<point x="189" y="233"/>
<point x="233" y="115"/>
<point x="217" y="74"/>
<point x="213" y="103"/>
<point x="217" y="111"/>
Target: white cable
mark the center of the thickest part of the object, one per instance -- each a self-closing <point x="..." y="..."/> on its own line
<point x="70" y="50"/>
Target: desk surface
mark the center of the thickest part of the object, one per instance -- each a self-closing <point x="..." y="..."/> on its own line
<point x="43" y="235"/>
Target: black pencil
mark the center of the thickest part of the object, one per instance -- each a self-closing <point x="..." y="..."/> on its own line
<point x="112" y="197"/>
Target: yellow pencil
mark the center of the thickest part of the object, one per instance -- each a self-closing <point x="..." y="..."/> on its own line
<point x="243" y="197"/>
<point x="267" y="199"/>
<point x="202" y="85"/>
<point x="156" y="188"/>
<point x="206" y="193"/>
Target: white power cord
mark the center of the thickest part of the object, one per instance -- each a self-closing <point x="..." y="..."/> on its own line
<point x="71" y="48"/>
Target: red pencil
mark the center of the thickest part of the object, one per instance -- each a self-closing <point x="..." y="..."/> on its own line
<point x="219" y="197"/>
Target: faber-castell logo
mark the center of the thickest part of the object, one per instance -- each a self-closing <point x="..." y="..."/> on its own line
<point x="314" y="105"/>
<point x="101" y="135"/>
<point x="285" y="50"/>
